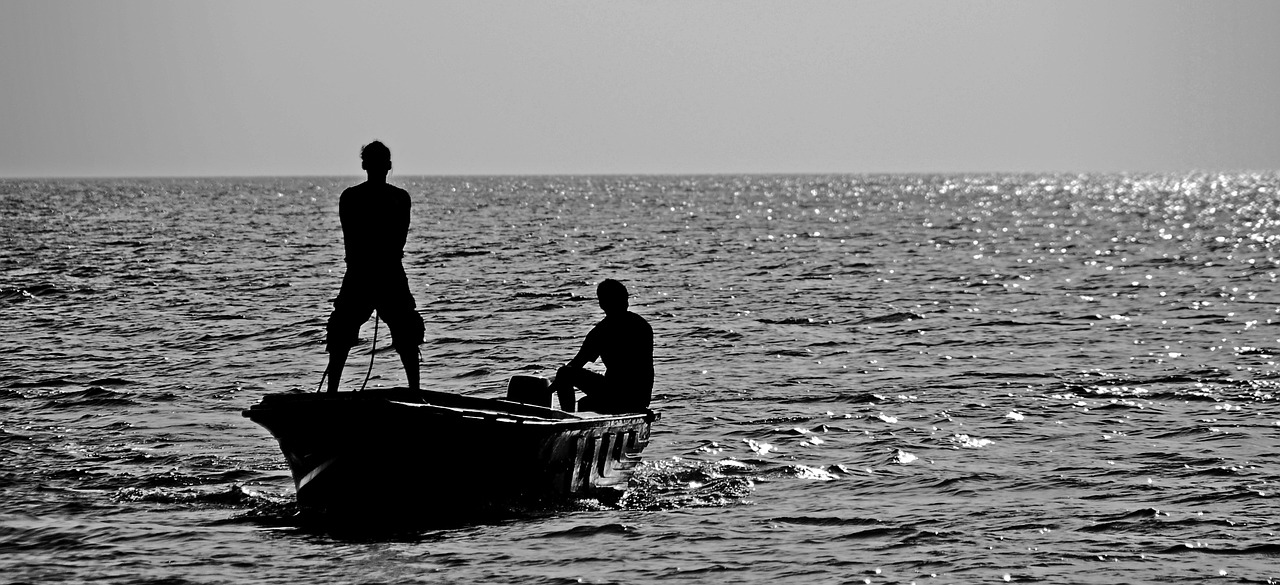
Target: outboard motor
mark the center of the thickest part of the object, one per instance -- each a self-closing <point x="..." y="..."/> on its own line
<point x="529" y="390"/>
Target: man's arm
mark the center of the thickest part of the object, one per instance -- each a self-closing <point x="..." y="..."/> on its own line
<point x="590" y="351"/>
<point x="343" y="212"/>
<point x="347" y="222"/>
<point x="402" y="221"/>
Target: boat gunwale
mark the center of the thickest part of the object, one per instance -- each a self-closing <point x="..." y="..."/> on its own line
<point x="563" y="419"/>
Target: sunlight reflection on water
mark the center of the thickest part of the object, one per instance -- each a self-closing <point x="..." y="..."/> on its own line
<point x="1053" y="377"/>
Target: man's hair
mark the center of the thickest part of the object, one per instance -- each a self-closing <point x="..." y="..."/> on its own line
<point x="610" y="289"/>
<point x="376" y="155"/>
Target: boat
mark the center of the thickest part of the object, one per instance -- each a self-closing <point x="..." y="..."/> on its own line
<point x="441" y="454"/>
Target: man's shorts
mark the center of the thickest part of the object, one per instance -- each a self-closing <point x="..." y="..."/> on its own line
<point x="356" y="302"/>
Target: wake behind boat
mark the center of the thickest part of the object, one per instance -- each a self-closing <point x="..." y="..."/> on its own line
<point x="437" y="454"/>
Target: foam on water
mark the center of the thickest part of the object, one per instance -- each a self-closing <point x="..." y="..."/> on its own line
<point x="1056" y="378"/>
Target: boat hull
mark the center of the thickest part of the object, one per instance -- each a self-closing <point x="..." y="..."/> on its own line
<point x="407" y="450"/>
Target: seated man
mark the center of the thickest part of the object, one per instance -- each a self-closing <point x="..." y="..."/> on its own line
<point x="624" y="342"/>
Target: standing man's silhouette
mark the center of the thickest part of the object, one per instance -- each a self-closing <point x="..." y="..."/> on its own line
<point x="375" y="225"/>
<point x="624" y="342"/>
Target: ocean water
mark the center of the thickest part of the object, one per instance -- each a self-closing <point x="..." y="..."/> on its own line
<point x="863" y="379"/>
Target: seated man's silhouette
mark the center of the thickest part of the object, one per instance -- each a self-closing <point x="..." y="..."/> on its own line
<point x="624" y="342"/>
<point x="375" y="225"/>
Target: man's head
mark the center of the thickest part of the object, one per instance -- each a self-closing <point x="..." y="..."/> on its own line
<point x="613" y="296"/>
<point x="375" y="157"/>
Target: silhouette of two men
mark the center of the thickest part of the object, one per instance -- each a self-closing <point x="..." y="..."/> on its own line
<point x="375" y="226"/>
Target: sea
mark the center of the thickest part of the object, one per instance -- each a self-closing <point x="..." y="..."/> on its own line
<point x="956" y="378"/>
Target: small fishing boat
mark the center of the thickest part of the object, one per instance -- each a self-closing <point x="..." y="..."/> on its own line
<point x="443" y="454"/>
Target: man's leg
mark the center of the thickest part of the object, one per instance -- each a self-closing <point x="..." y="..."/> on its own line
<point x="409" y="357"/>
<point x="407" y="332"/>
<point x="337" y="361"/>
<point x="586" y="380"/>
<point x="342" y="332"/>
<point x="562" y="386"/>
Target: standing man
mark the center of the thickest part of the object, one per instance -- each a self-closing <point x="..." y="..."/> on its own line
<point x="375" y="225"/>
<point x="624" y="342"/>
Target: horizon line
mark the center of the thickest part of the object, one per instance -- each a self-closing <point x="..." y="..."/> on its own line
<point x="637" y="174"/>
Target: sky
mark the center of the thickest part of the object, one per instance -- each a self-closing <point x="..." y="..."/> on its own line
<point x="246" y="88"/>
